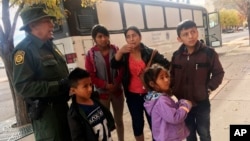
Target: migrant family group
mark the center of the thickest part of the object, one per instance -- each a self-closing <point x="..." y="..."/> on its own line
<point x="113" y="75"/>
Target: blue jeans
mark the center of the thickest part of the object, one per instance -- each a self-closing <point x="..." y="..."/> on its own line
<point x="136" y="109"/>
<point x="198" y="120"/>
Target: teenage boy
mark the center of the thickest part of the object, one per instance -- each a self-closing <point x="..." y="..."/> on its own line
<point x="196" y="71"/>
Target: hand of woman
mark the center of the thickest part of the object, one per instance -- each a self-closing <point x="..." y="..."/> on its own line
<point x="126" y="48"/>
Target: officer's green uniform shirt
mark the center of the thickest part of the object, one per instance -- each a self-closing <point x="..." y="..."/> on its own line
<point x="37" y="68"/>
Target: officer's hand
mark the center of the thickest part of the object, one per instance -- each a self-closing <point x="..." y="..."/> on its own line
<point x="63" y="84"/>
<point x="64" y="88"/>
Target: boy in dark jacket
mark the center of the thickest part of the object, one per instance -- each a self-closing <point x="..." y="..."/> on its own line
<point x="88" y="119"/>
<point x="196" y="71"/>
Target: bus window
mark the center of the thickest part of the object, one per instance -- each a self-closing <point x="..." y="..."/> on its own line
<point x="82" y="24"/>
<point x="76" y="24"/>
<point x="198" y="18"/>
<point x="57" y="27"/>
<point x="186" y="14"/>
<point x="131" y="11"/>
<point x="213" y="20"/>
<point x="172" y="16"/>
<point x="153" y="14"/>
<point x="109" y="14"/>
<point x="85" y="21"/>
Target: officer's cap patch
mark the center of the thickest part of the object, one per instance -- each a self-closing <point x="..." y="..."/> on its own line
<point x="19" y="57"/>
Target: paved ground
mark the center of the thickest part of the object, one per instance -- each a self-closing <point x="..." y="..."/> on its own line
<point x="218" y="116"/>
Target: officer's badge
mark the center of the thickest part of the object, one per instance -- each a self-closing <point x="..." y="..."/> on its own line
<point x="19" y="57"/>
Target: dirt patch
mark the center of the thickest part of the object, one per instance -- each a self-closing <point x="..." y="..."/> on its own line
<point x="247" y="38"/>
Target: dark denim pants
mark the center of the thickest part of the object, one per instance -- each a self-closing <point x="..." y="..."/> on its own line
<point x="198" y="120"/>
<point x="136" y="109"/>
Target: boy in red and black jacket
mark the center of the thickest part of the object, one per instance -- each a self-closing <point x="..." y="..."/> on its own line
<point x="196" y="71"/>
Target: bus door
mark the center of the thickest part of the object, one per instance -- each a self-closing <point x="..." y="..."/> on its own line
<point x="213" y="30"/>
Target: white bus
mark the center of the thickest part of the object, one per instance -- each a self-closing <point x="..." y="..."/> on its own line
<point x="157" y="21"/>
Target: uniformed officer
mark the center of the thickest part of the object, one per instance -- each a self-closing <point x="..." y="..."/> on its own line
<point x="38" y="71"/>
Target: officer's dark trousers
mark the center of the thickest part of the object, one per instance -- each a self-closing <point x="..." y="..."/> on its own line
<point x="198" y="120"/>
<point x="53" y="126"/>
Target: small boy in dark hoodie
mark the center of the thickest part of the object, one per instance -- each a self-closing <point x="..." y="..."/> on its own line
<point x="167" y="116"/>
<point x="88" y="119"/>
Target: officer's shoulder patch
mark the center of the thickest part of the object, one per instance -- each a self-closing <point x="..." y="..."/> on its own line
<point x="19" y="57"/>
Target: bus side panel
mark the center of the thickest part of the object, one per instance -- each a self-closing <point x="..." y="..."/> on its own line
<point x="165" y="41"/>
<point x="65" y="45"/>
<point x="117" y="39"/>
<point x="74" y="46"/>
<point x="159" y="34"/>
<point x="81" y="47"/>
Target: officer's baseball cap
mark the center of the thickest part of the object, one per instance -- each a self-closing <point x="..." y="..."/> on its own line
<point x="31" y="14"/>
